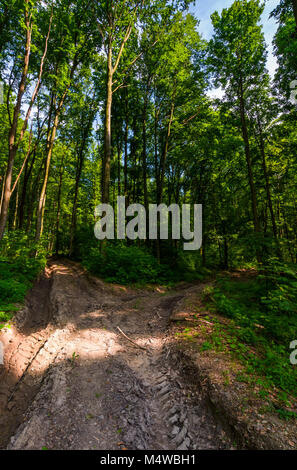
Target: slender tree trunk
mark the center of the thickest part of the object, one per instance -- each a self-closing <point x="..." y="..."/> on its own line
<point x="267" y="183"/>
<point x="27" y="174"/>
<point x="249" y="165"/>
<point x="157" y="168"/>
<point x="161" y="172"/>
<point x="14" y="224"/>
<point x="157" y="176"/>
<point x="59" y="207"/>
<point x="144" y="162"/>
<point x="2" y="194"/>
<point x="42" y="198"/>
<point x="33" y="189"/>
<point x="50" y="146"/>
<point x="77" y="181"/>
<point x="119" y="166"/>
<point x="107" y="132"/>
<point x="165" y="152"/>
<point x="144" y="149"/>
<point x="80" y="162"/>
<point x="126" y="145"/>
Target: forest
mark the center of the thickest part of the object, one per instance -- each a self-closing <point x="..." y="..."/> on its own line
<point x="101" y="99"/>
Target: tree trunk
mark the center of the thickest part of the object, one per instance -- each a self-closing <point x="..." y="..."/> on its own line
<point x="14" y="224"/>
<point x="165" y="152"/>
<point x="157" y="175"/>
<point x="2" y="194"/>
<point x="119" y="144"/>
<point x="77" y="181"/>
<point x="144" y="162"/>
<point x="126" y="145"/>
<point x="107" y="131"/>
<point x="50" y="145"/>
<point x="26" y="179"/>
<point x="267" y="183"/>
<point x="249" y="165"/>
<point x="59" y="207"/>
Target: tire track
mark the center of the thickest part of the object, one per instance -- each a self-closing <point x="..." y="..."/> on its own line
<point x="82" y="385"/>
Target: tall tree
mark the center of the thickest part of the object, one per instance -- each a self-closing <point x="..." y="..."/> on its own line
<point x="72" y="30"/>
<point x="237" y="55"/>
<point x="116" y="22"/>
<point x="30" y="14"/>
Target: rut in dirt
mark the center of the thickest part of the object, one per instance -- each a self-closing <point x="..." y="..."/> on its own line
<point x="22" y="343"/>
<point x="92" y="366"/>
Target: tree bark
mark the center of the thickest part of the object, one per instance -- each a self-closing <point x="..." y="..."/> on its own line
<point x="119" y="145"/>
<point x="59" y="206"/>
<point x="248" y="161"/>
<point x="107" y="133"/>
<point x="126" y="146"/>
<point x="165" y="151"/>
<point x="144" y="150"/>
<point x="77" y="181"/>
<point x="50" y="146"/>
<point x="27" y="174"/>
<point x="14" y="224"/>
<point x="266" y="177"/>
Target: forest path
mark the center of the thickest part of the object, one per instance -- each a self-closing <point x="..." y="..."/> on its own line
<point x="72" y="380"/>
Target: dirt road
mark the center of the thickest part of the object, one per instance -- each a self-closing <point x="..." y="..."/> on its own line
<point x="72" y="379"/>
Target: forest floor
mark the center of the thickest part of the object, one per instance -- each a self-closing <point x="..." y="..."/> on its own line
<point x="90" y="365"/>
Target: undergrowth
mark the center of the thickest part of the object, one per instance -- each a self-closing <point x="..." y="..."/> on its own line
<point x="262" y="313"/>
<point x="18" y="270"/>
<point x="124" y="264"/>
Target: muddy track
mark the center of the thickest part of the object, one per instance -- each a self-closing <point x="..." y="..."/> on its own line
<point x="71" y="380"/>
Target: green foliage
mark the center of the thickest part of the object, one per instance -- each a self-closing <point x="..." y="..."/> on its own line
<point x="17" y="272"/>
<point x="237" y="50"/>
<point x="285" y="46"/>
<point x="125" y="265"/>
<point x="136" y="265"/>
<point x="262" y="313"/>
<point x="281" y="288"/>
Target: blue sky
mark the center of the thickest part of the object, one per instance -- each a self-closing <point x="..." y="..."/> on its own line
<point x="204" y="8"/>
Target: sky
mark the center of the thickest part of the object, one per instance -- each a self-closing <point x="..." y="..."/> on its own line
<point x="204" y="8"/>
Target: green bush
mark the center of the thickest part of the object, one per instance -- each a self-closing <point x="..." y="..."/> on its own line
<point x="12" y="290"/>
<point x="133" y="264"/>
<point x="18" y="270"/>
<point x="124" y="265"/>
<point x="262" y="313"/>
